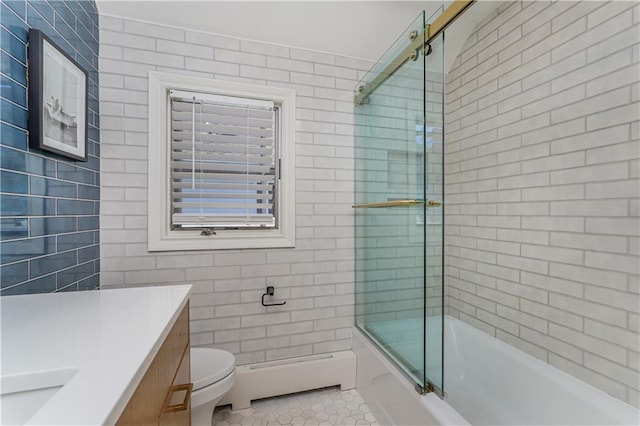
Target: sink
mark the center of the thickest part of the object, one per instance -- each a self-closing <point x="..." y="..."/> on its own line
<point x="24" y="394"/>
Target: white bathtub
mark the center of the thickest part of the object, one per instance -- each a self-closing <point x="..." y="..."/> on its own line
<point x="486" y="382"/>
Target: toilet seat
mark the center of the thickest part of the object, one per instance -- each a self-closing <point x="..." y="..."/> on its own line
<point x="209" y="366"/>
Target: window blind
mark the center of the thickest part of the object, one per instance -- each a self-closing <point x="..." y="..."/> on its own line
<point x="223" y="161"/>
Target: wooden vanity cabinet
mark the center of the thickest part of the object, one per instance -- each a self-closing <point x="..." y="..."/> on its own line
<point x="163" y="396"/>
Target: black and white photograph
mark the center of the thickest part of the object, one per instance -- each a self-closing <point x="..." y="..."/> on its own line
<point x="58" y="93"/>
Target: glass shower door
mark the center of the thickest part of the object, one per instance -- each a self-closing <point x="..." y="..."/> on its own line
<point x="398" y="167"/>
<point x="390" y="249"/>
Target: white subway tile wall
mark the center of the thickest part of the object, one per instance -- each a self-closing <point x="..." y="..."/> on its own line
<point x="542" y="186"/>
<point x="317" y="277"/>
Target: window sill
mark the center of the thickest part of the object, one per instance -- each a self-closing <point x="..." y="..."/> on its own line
<point x="223" y="240"/>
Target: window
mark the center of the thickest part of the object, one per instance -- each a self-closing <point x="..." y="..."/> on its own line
<point x="221" y="164"/>
<point x="223" y="168"/>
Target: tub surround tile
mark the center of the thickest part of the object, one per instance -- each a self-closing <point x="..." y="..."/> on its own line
<point x="570" y="202"/>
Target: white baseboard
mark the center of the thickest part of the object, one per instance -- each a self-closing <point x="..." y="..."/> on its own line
<point x="264" y="380"/>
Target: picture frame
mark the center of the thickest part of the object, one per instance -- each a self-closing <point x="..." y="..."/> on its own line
<point x="58" y="109"/>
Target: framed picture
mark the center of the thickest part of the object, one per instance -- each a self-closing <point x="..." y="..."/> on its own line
<point x="57" y="99"/>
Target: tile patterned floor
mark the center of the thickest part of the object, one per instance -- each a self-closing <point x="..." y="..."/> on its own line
<point x="323" y="407"/>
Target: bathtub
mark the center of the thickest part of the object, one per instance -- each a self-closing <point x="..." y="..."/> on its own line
<point x="486" y="382"/>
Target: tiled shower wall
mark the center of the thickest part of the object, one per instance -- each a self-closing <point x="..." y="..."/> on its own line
<point x="316" y="278"/>
<point x="542" y="186"/>
<point x="49" y="206"/>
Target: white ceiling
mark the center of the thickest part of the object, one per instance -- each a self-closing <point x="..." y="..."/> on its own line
<point x="361" y="29"/>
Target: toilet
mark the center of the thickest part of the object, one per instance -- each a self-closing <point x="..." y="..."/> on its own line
<point x="213" y="375"/>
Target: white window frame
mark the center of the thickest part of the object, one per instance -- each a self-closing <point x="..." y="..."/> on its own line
<point x="160" y="235"/>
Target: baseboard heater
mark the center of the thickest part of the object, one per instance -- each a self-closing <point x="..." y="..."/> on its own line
<point x="274" y="378"/>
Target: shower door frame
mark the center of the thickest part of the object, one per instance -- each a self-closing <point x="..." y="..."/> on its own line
<point x="431" y="31"/>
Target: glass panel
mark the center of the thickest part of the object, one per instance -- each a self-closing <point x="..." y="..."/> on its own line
<point x="390" y="241"/>
<point x="399" y="252"/>
<point x="434" y="312"/>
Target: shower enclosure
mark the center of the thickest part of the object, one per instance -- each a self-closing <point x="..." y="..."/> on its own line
<point x="399" y="211"/>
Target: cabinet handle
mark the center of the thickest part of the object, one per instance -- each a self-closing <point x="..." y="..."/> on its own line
<point x="188" y="387"/>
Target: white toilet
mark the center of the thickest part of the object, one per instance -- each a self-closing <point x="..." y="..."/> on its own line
<point x="213" y="375"/>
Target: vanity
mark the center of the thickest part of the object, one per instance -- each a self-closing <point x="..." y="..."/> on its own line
<point x="118" y="356"/>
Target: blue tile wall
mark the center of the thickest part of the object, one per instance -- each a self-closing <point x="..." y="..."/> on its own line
<point x="49" y="206"/>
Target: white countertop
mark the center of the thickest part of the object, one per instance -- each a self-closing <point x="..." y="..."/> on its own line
<point x="109" y="337"/>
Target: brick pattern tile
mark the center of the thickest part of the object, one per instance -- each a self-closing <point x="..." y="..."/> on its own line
<point x="542" y="219"/>
<point x="316" y="278"/>
<point x="49" y="205"/>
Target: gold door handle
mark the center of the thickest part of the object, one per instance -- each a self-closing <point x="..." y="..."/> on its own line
<point x="184" y="405"/>
<point x="397" y="203"/>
